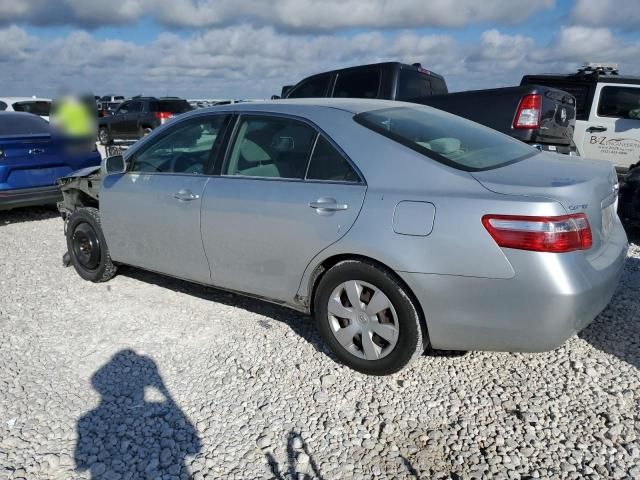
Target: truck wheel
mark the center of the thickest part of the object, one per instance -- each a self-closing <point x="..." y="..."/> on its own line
<point x="368" y="318"/>
<point x="103" y="136"/>
<point x="87" y="247"/>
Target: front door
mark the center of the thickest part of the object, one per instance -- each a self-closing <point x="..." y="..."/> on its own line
<point x="151" y="214"/>
<point x="273" y="209"/>
<point x="613" y="129"/>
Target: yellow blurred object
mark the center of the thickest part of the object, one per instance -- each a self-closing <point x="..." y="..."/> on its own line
<point x="75" y="119"/>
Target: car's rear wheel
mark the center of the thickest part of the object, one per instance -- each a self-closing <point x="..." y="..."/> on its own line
<point x="368" y="318"/>
<point x="103" y="136"/>
<point x="87" y="247"/>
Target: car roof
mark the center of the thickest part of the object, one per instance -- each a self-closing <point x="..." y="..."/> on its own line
<point x="352" y="105"/>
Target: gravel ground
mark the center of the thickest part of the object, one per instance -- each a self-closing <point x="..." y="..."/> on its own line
<point x="148" y="377"/>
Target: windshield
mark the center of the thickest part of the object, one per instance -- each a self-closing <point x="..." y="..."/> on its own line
<point x="446" y="138"/>
<point x="38" y="107"/>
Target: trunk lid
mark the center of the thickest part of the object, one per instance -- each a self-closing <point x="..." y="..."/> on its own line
<point x="579" y="185"/>
<point x="28" y="161"/>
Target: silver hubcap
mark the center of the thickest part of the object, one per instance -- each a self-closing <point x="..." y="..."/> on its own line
<point x="363" y="320"/>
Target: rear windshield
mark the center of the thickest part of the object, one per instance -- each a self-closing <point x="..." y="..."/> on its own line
<point x="446" y="138"/>
<point x="174" y="106"/>
<point x="35" y="107"/>
<point x="17" y="124"/>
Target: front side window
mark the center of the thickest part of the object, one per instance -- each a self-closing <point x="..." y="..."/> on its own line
<point x="186" y="148"/>
<point x="619" y="102"/>
<point x="328" y="164"/>
<point x="446" y="138"/>
<point x="357" y="84"/>
<point x="312" y="88"/>
<point x="124" y="107"/>
<point x="271" y="147"/>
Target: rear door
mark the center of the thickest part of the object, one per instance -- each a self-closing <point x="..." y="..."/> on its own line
<point x="613" y="130"/>
<point x="151" y="214"/>
<point x="131" y="122"/>
<point x="285" y="194"/>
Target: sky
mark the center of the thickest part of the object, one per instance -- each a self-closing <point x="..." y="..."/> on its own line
<point x="250" y="48"/>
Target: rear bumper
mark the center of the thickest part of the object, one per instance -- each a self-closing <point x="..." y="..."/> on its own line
<point x="545" y="303"/>
<point x="26" y="197"/>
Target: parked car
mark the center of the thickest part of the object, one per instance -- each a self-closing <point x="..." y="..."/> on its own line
<point x="35" y="105"/>
<point x="396" y="225"/>
<point x="112" y="98"/>
<point x="608" y="111"/>
<point x="32" y="158"/>
<point x="135" y="118"/>
<point x="540" y="116"/>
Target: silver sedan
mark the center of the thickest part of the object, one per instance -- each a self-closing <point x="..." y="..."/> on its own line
<point x="397" y="226"/>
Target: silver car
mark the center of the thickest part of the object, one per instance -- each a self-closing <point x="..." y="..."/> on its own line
<point x="397" y="226"/>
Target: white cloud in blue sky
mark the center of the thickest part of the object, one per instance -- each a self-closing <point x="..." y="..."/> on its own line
<point x="249" y="48"/>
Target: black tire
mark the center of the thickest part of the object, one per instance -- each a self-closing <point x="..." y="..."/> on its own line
<point x="104" y="137"/>
<point x="87" y="247"/>
<point x="412" y="337"/>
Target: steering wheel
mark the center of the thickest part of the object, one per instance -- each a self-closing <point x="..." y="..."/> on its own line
<point x="175" y="160"/>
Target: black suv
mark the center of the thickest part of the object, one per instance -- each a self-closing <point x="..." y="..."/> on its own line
<point x="389" y="80"/>
<point x="136" y="117"/>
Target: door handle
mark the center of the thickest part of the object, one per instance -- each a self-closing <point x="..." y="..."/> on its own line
<point x="328" y="204"/>
<point x="185" y="195"/>
<point x="597" y="128"/>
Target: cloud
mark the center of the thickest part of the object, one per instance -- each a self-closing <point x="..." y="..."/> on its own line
<point x="623" y="14"/>
<point x="289" y="15"/>
<point x="245" y="61"/>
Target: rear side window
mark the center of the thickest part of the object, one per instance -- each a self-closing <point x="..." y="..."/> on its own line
<point x="135" y="107"/>
<point x="17" y="124"/>
<point x="328" y="164"/>
<point x="412" y="84"/>
<point x="357" y="84"/>
<point x="619" y="102"/>
<point x="315" y="87"/>
<point x="446" y="138"/>
<point x="3" y="106"/>
<point x="270" y="147"/>
<point x="36" y="107"/>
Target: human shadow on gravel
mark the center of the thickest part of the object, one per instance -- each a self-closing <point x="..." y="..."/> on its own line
<point x="300" y="462"/>
<point x="617" y="330"/>
<point x="129" y="436"/>
<point x="30" y="214"/>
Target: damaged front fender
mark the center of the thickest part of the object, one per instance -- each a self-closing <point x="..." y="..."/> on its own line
<point x="80" y="189"/>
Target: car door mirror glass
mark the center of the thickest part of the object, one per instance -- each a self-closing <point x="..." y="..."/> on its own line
<point x="115" y="165"/>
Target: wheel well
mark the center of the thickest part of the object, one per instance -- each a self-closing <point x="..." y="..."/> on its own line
<point x="332" y="261"/>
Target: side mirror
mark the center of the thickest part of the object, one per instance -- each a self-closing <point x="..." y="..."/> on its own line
<point x="275" y="97"/>
<point x="115" y="165"/>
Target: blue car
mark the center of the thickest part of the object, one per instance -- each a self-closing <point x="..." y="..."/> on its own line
<point x="32" y="158"/>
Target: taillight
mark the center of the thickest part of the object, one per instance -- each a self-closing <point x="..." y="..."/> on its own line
<point x="163" y="116"/>
<point x="528" y="113"/>
<point x="565" y="233"/>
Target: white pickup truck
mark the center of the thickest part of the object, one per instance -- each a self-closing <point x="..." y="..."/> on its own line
<point x="607" y="111"/>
